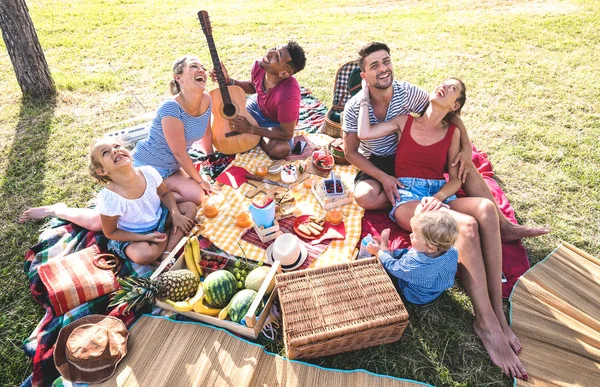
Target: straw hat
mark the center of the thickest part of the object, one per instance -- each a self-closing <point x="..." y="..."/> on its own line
<point x="288" y="250"/>
<point x="89" y="349"/>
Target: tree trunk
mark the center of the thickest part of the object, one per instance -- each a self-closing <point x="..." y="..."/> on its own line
<point x="24" y="50"/>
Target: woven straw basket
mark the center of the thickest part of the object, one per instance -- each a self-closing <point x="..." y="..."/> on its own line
<point x="339" y="308"/>
<point x="330" y="127"/>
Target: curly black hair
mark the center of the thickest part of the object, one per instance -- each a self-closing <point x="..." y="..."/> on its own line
<point x="298" y="58"/>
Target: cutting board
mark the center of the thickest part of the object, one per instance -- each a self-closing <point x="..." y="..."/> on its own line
<point x="269" y="189"/>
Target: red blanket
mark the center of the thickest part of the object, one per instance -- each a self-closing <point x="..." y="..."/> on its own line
<point x="514" y="256"/>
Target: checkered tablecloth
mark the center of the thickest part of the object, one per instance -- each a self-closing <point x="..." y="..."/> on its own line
<point x="223" y="232"/>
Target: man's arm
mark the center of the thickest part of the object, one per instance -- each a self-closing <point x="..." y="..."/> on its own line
<point x="389" y="183"/>
<point x="247" y="86"/>
<point x="284" y="132"/>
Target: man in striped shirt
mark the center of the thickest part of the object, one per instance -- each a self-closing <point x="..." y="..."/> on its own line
<point x="376" y="186"/>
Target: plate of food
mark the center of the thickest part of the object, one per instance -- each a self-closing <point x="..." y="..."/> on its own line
<point x="309" y="226"/>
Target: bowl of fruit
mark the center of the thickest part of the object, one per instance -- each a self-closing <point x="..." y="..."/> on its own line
<point x="210" y="262"/>
<point x="322" y="160"/>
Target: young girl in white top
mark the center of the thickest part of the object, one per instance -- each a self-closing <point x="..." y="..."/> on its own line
<point x="132" y="216"/>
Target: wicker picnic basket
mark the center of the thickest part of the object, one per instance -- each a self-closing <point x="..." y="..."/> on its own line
<point x="339" y="308"/>
<point x="341" y="94"/>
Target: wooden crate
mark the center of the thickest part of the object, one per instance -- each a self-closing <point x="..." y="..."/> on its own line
<point x="254" y="324"/>
<point x="339" y="308"/>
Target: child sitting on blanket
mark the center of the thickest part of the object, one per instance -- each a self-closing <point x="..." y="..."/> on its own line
<point x="130" y="206"/>
<point x="429" y="268"/>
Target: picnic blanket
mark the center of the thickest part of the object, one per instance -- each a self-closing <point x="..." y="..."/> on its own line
<point x="554" y="312"/>
<point x="514" y="256"/>
<point x="223" y="233"/>
<point x="53" y="243"/>
<point x="163" y="352"/>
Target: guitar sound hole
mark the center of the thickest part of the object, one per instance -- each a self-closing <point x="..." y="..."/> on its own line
<point x="229" y="110"/>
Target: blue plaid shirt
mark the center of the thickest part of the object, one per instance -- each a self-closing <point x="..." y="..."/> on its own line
<point x="421" y="278"/>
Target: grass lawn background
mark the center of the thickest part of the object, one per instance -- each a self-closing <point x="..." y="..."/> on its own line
<point x="532" y="70"/>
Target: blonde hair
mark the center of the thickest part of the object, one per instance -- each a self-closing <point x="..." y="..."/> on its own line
<point x="178" y="66"/>
<point x="438" y="228"/>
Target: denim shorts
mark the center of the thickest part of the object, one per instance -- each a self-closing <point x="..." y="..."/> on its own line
<point x="163" y="172"/>
<point x="416" y="189"/>
<point x="118" y="247"/>
<point x="261" y="119"/>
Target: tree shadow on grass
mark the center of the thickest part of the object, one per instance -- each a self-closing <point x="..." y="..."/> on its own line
<point x="21" y="187"/>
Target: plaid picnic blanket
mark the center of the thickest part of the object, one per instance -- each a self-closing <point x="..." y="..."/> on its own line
<point x="57" y="242"/>
<point x="222" y="231"/>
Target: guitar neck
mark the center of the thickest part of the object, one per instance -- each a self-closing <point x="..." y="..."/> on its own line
<point x="218" y="69"/>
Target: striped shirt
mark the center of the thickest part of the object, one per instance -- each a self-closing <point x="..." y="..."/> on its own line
<point x="155" y="150"/>
<point x="421" y="279"/>
<point x="406" y="99"/>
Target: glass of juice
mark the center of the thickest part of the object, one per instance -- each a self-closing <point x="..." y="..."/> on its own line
<point x="261" y="170"/>
<point x="334" y="216"/>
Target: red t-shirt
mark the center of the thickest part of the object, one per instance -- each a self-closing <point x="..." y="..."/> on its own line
<point x="424" y="162"/>
<point x="281" y="103"/>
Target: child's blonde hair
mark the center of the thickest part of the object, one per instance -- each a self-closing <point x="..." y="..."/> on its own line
<point x="438" y="228"/>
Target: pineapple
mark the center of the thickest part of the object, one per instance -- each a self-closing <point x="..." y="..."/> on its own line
<point x="137" y="292"/>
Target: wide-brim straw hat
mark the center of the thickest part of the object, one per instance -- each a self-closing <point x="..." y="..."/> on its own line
<point x="89" y="349"/>
<point x="288" y="250"/>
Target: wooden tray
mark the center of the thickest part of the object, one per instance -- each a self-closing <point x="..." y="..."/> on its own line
<point x="269" y="189"/>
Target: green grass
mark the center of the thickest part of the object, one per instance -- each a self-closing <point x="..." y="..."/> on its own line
<point x="532" y="71"/>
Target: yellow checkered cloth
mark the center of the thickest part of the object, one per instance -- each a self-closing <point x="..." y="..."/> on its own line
<point x="223" y="233"/>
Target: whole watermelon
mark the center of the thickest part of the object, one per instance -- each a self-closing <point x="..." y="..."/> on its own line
<point x="240" y="303"/>
<point x="219" y="287"/>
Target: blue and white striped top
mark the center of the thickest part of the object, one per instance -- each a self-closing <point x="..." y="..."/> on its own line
<point x="421" y="278"/>
<point x="155" y="150"/>
<point x="406" y="99"/>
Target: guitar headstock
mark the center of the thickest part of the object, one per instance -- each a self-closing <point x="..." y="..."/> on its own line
<point x="205" y="23"/>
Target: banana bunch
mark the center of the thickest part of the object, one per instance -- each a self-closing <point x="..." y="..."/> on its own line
<point x="195" y="303"/>
<point x="191" y="253"/>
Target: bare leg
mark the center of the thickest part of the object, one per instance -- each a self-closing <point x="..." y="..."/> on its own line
<point x="184" y="188"/>
<point x="475" y="186"/>
<point x="275" y="149"/>
<point x="85" y="217"/>
<point x="384" y="243"/>
<point x="474" y="275"/>
<point x="484" y="212"/>
<point x="369" y="195"/>
<point x="145" y="253"/>
<point x="188" y="209"/>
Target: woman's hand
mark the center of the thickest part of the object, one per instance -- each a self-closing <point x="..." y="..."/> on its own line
<point x="156" y="237"/>
<point x="205" y="187"/>
<point x="182" y="223"/>
<point x="431" y="203"/>
<point x="463" y="158"/>
<point x="365" y="89"/>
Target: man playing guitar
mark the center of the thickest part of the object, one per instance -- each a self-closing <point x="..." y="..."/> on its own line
<point x="275" y="100"/>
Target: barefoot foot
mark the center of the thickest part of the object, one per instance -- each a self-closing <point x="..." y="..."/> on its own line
<point x="385" y="239"/>
<point x="500" y="352"/>
<point x="39" y="213"/>
<point x="513" y="340"/>
<point x="511" y="232"/>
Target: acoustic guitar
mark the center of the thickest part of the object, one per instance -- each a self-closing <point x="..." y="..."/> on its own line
<point x="227" y="103"/>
